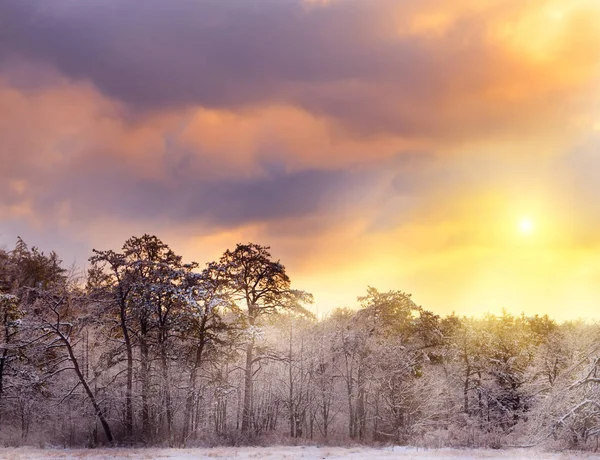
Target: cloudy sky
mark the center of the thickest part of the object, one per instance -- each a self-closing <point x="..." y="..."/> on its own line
<point x="446" y="149"/>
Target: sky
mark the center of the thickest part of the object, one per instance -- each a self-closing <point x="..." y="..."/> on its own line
<point x="450" y="150"/>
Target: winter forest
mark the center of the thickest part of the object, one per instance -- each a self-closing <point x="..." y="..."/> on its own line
<point x="145" y="348"/>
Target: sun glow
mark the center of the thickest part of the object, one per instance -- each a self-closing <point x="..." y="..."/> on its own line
<point x="526" y="226"/>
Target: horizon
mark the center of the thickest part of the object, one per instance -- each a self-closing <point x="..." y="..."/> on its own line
<point x="446" y="151"/>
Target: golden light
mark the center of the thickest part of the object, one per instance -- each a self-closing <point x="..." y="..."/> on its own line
<point x="526" y="226"/>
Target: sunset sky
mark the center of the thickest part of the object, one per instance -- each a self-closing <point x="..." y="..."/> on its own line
<point x="450" y="149"/>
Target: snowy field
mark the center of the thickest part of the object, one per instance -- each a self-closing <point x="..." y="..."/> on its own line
<point x="281" y="453"/>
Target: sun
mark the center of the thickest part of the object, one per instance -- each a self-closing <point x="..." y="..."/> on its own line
<point x="526" y="226"/>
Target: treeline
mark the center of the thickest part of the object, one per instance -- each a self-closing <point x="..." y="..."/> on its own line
<point x="149" y="349"/>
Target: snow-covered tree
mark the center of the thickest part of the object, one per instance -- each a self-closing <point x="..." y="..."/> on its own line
<point x="259" y="286"/>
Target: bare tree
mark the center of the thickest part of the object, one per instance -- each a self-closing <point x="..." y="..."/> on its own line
<point x="60" y="324"/>
<point x="110" y="279"/>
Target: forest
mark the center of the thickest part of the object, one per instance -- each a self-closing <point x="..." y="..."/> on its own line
<point x="144" y="348"/>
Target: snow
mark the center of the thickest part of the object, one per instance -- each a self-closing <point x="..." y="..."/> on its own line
<point x="284" y="452"/>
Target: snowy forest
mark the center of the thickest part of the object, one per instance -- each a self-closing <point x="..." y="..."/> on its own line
<point x="145" y="348"/>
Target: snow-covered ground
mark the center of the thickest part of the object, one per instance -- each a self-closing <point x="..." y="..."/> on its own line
<point x="284" y="452"/>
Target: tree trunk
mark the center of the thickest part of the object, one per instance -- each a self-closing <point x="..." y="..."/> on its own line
<point x="189" y="405"/>
<point x="247" y="411"/>
<point x="350" y="390"/>
<point x="325" y="415"/>
<point x="86" y="387"/>
<point x="361" y="416"/>
<point x="145" y="376"/>
<point x="361" y="419"/>
<point x="129" y="388"/>
<point x="291" y="385"/>
<point x="2" y="364"/>
<point x="466" y="390"/>
<point x="167" y="393"/>
<point x="220" y="415"/>
<point x="4" y="359"/>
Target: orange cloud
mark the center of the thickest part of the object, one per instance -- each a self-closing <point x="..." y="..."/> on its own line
<point x="383" y="143"/>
